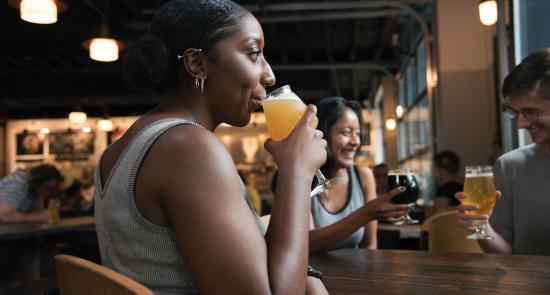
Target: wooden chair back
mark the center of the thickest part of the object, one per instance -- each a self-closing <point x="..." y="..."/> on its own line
<point x="445" y="235"/>
<point x="79" y="276"/>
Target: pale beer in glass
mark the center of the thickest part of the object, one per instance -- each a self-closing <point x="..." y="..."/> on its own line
<point x="283" y="109"/>
<point x="282" y="114"/>
<point x="53" y="211"/>
<point x="480" y="188"/>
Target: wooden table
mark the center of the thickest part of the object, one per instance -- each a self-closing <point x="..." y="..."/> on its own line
<point x="12" y="231"/>
<point x="354" y="271"/>
<point x="405" y="231"/>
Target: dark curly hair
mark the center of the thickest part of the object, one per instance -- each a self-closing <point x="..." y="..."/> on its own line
<point x="329" y="110"/>
<point x="447" y="160"/>
<point x="531" y="77"/>
<point x="152" y="63"/>
<point x="41" y="174"/>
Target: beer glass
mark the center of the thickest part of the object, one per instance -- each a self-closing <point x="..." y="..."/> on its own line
<point x="283" y="109"/>
<point x="53" y="211"/>
<point x="480" y="189"/>
<point x="408" y="179"/>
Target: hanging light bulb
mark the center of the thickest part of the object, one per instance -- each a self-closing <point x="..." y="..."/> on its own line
<point x="103" y="49"/>
<point x="86" y="129"/>
<point x="77" y="118"/>
<point x="105" y="125"/>
<point x="44" y="130"/>
<point x="38" y="11"/>
<point x="399" y="111"/>
<point x="488" y="13"/>
<point x="391" y="124"/>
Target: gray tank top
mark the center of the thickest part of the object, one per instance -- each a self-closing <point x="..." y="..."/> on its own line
<point x="356" y="199"/>
<point x="129" y="243"/>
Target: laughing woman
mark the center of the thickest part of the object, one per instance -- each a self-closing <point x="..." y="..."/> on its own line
<point x="345" y="216"/>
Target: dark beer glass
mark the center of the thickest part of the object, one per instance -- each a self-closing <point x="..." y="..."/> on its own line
<point x="407" y="179"/>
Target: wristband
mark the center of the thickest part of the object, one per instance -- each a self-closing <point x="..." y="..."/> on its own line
<point x="314" y="273"/>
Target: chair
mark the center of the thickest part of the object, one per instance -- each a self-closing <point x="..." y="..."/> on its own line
<point x="445" y="235"/>
<point x="79" y="276"/>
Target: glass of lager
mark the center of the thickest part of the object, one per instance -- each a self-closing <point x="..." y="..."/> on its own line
<point x="283" y="109"/>
<point x="480" y="189"/>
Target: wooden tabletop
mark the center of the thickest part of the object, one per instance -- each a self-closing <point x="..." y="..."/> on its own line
<point x="354" y="271"/>
<point x="13" y="231"/>
<point x="405" y="231"/>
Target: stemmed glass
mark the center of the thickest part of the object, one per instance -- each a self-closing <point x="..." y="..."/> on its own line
<point x="283" y="109"/>
<point x="479" y="187"/>
<point x="408" y="179"/>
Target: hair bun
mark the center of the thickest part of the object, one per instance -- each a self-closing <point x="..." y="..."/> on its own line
<point x="148" y="64"/>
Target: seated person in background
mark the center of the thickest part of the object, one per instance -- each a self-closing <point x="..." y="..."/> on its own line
<point x="252" y="194"/>
<point x="380" y="172"/>
<point x="345" y="216"/>
<point x="446" y="168"/>
<point x="169" y="206"/>
<point x="24" y="193"/>
<point x="520" y="221"/>
<point x="73" y="200"/>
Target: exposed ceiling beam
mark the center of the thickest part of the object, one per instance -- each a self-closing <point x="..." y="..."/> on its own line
<point x="303" y="39"/>
<point x="334" y="5"/>
<point x="310" y="6"/>
<point x="274" y="19"/>
<point x="272" y="31"/>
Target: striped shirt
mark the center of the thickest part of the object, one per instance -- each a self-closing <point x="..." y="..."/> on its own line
<point x="14" y="189"/>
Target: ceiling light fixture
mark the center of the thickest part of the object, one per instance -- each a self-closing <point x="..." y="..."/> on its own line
<point x="39" y="11"/>
<point x="391" y="124"/>
<point x="488" y="12"/>
<point x="399" y="111"/>
<point x="103" y="48"/>
<point x="105" y="125"/>
<point x="77" y="118"/>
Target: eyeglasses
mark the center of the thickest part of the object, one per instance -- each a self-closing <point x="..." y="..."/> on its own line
<point x="528" y="114"/>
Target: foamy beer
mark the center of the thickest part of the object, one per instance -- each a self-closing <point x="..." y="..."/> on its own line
<point x="283" y="109"/>
<point x="480" y="188"/>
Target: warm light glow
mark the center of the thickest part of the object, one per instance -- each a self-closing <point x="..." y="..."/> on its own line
<point x="44" y="130"/>
<point x="399" y="111"/>
<point x="488" y="14"/>
<point x="86" y="129"/>
<point x="77" y="118"/>
<point x="391" y="124"/>
<point x="250" y="146"/>
<point x="103" y="49"/>
<point x="38" y="11"/>
<point x="105" y="125"/>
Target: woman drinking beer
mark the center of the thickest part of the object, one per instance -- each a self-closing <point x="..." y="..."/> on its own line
<point x="170" y="212"/>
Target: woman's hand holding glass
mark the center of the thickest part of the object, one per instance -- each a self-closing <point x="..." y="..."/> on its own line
<point x="303" y="150"/>
<point x="283" y="108"/>
<point x="382" y="209"/>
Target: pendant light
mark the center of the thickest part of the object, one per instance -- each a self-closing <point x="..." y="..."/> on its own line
<point x="105" y="125"/>
<point x="488" y="12"/>
<point x="39" y="11"/>
<point x="391" y="124"/>
<point x="77" y="118"/>
<point x="103" y="48"/>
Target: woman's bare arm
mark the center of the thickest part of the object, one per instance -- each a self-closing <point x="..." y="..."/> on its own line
<point x="215" y="229"/>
